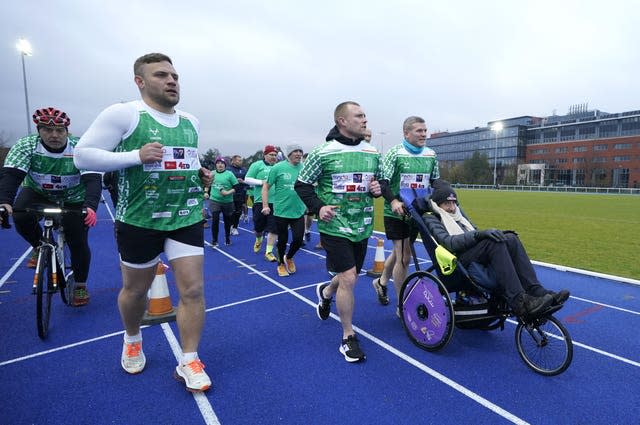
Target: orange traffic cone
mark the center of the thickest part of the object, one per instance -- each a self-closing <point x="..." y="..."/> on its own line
<point x="378" y="261"/>
<point x="159" y="309"/>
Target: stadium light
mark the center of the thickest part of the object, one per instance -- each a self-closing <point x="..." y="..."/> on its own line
<point x="496" y="127"/>
<point x="24" y="47"/>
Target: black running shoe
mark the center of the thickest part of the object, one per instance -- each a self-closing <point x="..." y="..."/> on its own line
<point x="381" y="291"/>
<point x="559" y="297"/>
<point x="350" y="349"/>
<point x="324" y="304"/>
<point x="526" y="305"/>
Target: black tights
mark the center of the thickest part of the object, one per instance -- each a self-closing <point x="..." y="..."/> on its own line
<point x="297" y="233"/>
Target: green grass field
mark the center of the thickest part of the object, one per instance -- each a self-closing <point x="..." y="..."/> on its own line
<point x="600" y="233"/>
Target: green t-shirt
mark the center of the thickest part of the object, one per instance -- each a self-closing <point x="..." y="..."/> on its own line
<point x="286" y="202"/>
<point x="52" y="175"/>
<point x="259" y="170"/>
<point x="222" y="181"/>
<point x="404" y="169"/>
<point x="166" y="195"/>
<point x="343" y="174"/>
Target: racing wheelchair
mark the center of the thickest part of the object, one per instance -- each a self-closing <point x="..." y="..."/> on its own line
<point x="447" y="295"/>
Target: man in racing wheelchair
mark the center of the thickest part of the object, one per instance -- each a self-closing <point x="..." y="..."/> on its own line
<point x="500" y="251"/>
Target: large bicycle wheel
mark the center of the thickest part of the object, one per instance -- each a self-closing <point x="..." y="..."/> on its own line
<point x="44" y="291"/>
<point x="545" y="345"/>
<point x="426" y="311"/>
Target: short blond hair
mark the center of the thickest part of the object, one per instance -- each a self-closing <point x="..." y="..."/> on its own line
<point x="341" y="109"/>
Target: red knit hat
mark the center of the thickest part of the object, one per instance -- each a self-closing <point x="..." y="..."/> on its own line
<point x="268" y="149"/>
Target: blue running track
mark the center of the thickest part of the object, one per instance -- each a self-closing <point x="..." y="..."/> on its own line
<point x="272" y="361"/>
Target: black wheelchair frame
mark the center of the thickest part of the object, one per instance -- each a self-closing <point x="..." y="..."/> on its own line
<point x="429" y="315"/>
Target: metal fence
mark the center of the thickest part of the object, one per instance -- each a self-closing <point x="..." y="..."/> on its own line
<point x="570" y="189"/>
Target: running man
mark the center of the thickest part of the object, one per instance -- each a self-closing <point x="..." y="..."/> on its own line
<point x="345" y="168"/>
<point x="154" y="147"/>
<point x="288" y="208"/>
<point x="43" y="163"/>
<point x="256" y="176"/>
<point x="409" y="164"/>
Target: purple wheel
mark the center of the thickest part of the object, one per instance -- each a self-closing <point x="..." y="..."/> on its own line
<point x="426" y="310"/>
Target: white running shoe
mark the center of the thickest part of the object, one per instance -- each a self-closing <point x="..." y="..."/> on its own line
<point x="194" y="376"/>
<point x="234" y="231"/>
<point x="133" y="359"/>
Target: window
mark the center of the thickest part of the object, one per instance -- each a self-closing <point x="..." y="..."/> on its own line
<point x="578" y="160"/>
<point x="579" y="148"/>
<point x="599" y="159"/>
<point x="587" y="132"/>
<point x="609" y="130"/>
<point x="539" y="151"/>
<point x="600" y="147"/>
<point x="622" y="146"/>
<point x="622" y="158"/>
<point x="567" y="134"/>
<point x="561" y="160"/>
<point x="562" y="150"/>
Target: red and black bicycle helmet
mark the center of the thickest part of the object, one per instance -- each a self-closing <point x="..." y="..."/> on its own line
<point x="51" y="116"/>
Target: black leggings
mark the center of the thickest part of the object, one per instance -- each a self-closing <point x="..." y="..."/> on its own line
<point x="297" y="233"/>
<point x="227" y="213"/>
<point x="76" y="233"/>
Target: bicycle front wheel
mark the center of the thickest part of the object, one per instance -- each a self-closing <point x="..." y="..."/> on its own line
<point x="44" y="291"/>
<point x="545" y="345"/>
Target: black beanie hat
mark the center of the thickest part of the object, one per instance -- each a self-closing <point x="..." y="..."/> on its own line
<point x="442" y="191"/>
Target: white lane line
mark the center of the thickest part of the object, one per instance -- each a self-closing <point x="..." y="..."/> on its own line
<point x="13" y="268"/>
<point x="606" y="305"/>
<point x="206" y="410"/>
<point x="454" y="385"/>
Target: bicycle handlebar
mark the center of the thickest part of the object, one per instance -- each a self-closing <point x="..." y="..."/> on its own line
<point x="46" y="211"/>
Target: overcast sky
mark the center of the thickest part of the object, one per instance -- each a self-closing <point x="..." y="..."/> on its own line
<point x="258" y="72"/>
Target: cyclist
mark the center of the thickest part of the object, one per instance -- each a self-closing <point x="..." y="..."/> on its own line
<point x="43" y="163"/>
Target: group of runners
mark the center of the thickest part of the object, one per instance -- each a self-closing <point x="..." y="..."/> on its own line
<point x="150" y="150"/>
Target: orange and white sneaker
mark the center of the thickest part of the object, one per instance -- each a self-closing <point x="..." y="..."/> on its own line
<point x="193" y="375"/>
<point x="282" y="270"/>
<point x="291" y="266"/>
<point x="133" y="359"/>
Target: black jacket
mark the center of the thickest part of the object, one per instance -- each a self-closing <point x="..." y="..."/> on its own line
<point x="456" y="244"/>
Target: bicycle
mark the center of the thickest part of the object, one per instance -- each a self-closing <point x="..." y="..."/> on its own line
<point x="53" y="268"/>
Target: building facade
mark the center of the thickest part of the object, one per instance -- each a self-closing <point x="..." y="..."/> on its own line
<point x="583" y="148"/>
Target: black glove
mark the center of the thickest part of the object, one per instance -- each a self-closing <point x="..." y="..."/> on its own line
<point x="491" y="234"/>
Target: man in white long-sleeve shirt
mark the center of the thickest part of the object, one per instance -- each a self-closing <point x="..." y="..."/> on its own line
<point x="154" y="148"/>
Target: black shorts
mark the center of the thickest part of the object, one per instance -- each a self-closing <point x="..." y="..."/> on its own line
<point x="342" y="254"/>
<point x="263" y="222"/>
<point x="138" y="245"/>
<point x="395" y="229"/>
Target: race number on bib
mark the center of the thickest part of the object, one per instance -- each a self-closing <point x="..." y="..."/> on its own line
<point x="351" y="182"/>
<point x="413" y="181"/>
<point x="175" y="158"/>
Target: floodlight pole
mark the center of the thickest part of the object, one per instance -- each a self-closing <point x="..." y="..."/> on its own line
<point x="496" y="128"/>
<point x="24" y="47"/>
